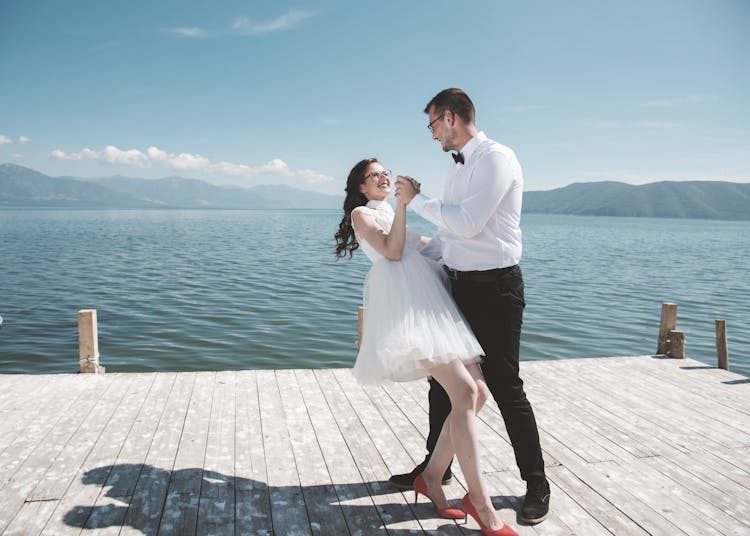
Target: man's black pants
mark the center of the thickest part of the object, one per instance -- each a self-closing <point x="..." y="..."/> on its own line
<point x="493" y="307"/>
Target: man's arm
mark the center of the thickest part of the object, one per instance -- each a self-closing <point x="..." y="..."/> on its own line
<point x="491" y="179"/>
<point x="432" y="247"/>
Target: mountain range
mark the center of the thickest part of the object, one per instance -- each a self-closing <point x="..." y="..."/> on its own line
<point x="663" y="199"/>
<point x="21" y="186"/>
<point x="24" y="187"/>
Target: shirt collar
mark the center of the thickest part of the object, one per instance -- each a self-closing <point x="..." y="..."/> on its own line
<point x="379" y="205"/>
<point x="472" y="144"/>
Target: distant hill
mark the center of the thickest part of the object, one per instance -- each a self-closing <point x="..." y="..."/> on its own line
<point x="664" y="199"/>
<point x="21" y="186"/>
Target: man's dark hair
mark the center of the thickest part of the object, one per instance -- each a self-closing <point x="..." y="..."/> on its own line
<point x="455" y="100"/>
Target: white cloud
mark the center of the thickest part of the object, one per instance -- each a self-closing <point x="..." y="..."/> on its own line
<point x="274" y="166"/>
<point x="154" y="153"/>
<point x="188" y="162"/>
<point x="109" y="155"/>
<point x="5" y="139"/>
<point x="287" y="21"/>
<point x="228" y="168"/>
<point x="313" y="177"/>
<point x="23" y="139"/>
<point x="131" y="157"/>
<point x="181" y="161"/>
<point x="85" y="154"/>
<point x="194" y="33"/>
<point x="670" y="103"/>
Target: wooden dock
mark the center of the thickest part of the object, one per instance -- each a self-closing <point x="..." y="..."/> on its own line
<point x="633" y="446"/>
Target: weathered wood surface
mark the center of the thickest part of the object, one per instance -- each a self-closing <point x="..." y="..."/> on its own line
<point x="633" y="446"/>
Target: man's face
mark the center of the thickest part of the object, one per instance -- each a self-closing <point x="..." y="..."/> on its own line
<point x="441" y="126"/>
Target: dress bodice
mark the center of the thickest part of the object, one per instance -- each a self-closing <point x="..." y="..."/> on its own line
<point x="383" y="214"/>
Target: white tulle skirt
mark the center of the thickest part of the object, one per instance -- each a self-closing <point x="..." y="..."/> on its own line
<point x="410" y="322"/>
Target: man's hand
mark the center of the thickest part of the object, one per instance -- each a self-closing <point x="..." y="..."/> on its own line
<point x="406" y="189"/>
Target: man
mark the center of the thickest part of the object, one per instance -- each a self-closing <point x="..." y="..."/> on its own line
<point x="479" y="239"/>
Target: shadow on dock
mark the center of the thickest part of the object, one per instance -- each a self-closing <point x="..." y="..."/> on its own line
<point x="153" y="500"/>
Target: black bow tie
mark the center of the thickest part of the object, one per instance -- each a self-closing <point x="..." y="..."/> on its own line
<point x="458" y="158"/>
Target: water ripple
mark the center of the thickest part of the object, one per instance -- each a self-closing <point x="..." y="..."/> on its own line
<point x="212" y="290"/>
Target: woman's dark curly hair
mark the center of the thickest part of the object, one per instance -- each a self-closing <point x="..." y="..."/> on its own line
<point x="345" y="239"/>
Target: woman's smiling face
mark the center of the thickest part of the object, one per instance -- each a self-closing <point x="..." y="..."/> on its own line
<point x="377" y="183"/>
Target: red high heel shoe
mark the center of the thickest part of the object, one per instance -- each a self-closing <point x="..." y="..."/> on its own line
<point x="447" y="513"/>
<point x="505" y="530"/>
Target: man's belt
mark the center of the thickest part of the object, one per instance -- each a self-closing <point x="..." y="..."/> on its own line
<point x="479" y="276"/>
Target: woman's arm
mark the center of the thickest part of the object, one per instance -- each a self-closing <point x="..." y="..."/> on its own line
<point x="389" y="245"/>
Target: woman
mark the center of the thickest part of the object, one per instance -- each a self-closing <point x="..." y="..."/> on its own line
<point x="412" y="329"/>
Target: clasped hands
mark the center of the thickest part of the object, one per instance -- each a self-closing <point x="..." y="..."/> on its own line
<point x="406" y="188"/>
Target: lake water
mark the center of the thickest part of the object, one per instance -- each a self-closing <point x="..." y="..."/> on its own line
<point x="216" y="290"/>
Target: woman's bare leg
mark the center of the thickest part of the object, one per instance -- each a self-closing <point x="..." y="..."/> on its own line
<point x="444" y="451"/>
<point x="467" y="392"/>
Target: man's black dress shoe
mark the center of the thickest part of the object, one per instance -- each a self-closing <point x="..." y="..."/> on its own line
<point x="536" y="503"/>
<point x="406" y="480"/>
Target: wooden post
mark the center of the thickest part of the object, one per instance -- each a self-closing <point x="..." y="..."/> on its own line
<point x="676" y="346"/>
<point x="721" y="344"/>
<point x="667" y="323"/>
<point x="88" y="342"/>
<point x="360" y="319"/>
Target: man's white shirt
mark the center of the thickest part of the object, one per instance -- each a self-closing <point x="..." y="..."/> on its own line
<point x="478" y="218"/>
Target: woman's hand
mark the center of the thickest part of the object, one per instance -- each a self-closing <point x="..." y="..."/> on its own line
<point x="406" y="189"/>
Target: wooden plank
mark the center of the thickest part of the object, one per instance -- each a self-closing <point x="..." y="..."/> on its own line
<point x="410" y="418"/>
<point x="683" y="469"/>
<point x="727" y="425"/>
<point x="27" y="474"/>
<point x="641" y="481"/>
<point x="42" y="419"/>
<point x="711" y="472"/>
<point x="632" y="407"/>
<point x="180" y="513"/>
<point x="691" y="376"/>
<point x="288" y="511"/>
<point x="393" y="505"/>
<point x="19" y="402"/>
<point x="74" y="508"/>
<point x="722" y="508"/>
<point x="401" y="444"/>
<point x="217" y="498"/>
<point x="157" y="433"/>
<point x="253" y="503"/>
<point x="606" y="479"/>
<point x="111" y="505"/>
<point x="31" y="518"/>
<point x="570" y="425"/>
<point x="66" y="465"/>
<point x="616" y="432"/>
<point x="739" y="457"/>
<point x="358" y="508"/>
<point x="600" y="511"/>
<point x="323" y="509"/>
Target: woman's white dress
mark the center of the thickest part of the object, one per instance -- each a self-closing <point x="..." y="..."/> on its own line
<point x="410" y="320"/>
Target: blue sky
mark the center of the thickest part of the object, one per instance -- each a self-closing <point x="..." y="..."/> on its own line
<point x="247" y="93"/>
